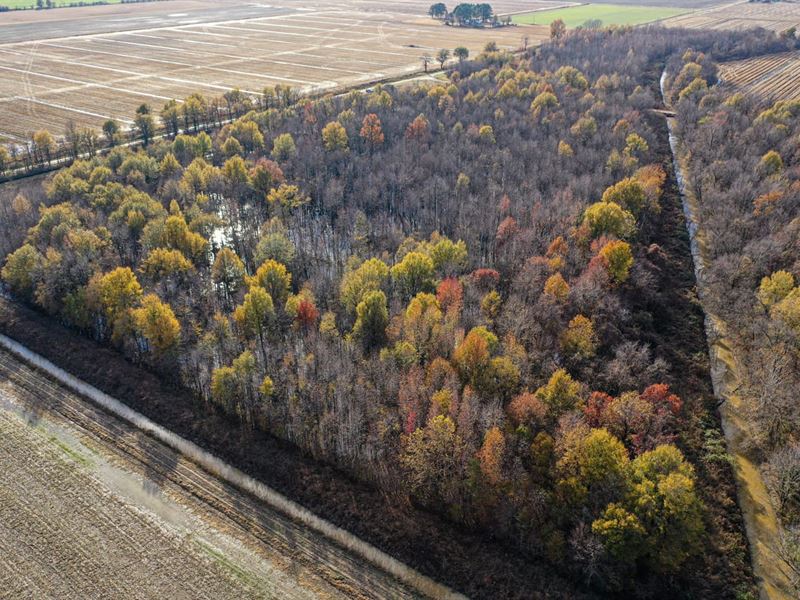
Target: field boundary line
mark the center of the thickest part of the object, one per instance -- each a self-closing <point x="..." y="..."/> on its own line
<point x="64" y="107"/>
<point x="84" y="85"/>
<point x="234" y="476"/>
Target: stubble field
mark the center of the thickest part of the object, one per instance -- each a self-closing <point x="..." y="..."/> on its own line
<point x="767" y="78"/>
<point x="92" y="508"/>
<point x="51" y="77"/>
<point x="775" y="16"/>
<point x="30" y="4"/>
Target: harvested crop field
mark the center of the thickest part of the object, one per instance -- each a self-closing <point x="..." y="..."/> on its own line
<point x="30" y="4"/>
<point x="88" y="78"/>
<point x="769" y="78"/>
<point x="92" y="508"/>
<point x="775" y="16"/>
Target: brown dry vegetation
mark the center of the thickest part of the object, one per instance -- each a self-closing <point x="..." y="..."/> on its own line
<point x="741" y="157"/>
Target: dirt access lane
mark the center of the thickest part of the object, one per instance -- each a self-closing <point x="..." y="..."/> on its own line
<point x="92" y="507"/>
<point x="761" y="522"/>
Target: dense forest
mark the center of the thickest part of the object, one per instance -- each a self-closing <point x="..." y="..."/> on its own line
<point x="748" y="189"/>
<point x="463" y="293"/>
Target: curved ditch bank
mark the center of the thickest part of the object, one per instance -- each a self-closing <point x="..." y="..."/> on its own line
<point x="226" y="472"/>
<point x="761" y="522"/>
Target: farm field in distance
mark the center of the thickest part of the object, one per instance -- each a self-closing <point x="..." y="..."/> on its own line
<point x="48" y="81"/>
<point x="89" y="64"/>
<point x="776" y="16"/>
<point x="768" y="78"/>
<point x="27" y="4"/>
<point x="607" y="14"/>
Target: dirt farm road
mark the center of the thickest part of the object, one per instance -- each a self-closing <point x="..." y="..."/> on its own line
<point x="92" y="507"/>
<point x="761" y="522"/>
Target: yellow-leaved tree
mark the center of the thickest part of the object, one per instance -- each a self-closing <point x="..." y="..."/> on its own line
<point x="156" y="323"/>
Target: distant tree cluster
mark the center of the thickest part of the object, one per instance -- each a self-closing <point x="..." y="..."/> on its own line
<point x="467" y="15"/>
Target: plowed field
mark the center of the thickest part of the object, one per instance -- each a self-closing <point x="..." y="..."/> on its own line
<point x="769" y="78"/>
<point x="92" y="508"/>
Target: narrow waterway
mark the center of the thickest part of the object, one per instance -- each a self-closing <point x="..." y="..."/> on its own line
<point x="761" y="522"/>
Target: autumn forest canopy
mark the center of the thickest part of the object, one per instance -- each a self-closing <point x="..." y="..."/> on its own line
<point x="471" y="294"/>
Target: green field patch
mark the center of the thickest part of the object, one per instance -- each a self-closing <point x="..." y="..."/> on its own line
<point x="607" y="14"/>
<point x="227" y="564"/>
<point x="71" y="452"/>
